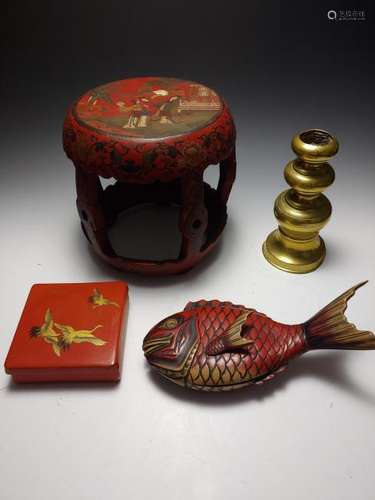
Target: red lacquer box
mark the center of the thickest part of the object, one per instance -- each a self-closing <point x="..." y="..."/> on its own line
<point x="70" y="332"/>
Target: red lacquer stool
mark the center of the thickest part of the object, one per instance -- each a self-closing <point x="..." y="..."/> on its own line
<point x="155" y="136"/>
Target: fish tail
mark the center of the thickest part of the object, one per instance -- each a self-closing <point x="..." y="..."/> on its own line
<point x="329" y="328"/>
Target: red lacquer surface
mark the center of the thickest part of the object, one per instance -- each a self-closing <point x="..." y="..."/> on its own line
<point x="218" y="346"/>
<point x="155" y="136"/>
<point x="148" y="107"/>
<point x="98" y="139"/>
<point x="259" y="349"/>
<point x="70" y="332"/>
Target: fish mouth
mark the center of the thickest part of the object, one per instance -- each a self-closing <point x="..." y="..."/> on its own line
<point x="149" y="346"/>
<point x="170" y="352"/>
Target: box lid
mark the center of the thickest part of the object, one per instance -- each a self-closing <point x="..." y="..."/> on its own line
<point x="69" y="332"/>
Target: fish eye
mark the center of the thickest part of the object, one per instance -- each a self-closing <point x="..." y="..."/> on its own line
<point x="170" y="323"/>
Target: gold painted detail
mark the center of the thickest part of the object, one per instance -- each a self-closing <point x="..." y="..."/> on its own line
<point x="303" y="210"/>
<point x="97" y="299"/>
<point x="155" y="344"/>
<point x="227" y="369"/>
<point x="47" y="332"/>
<point x="181" y="374"/>
<point x="169" y="323"/>
<point x="62" y="336"/>
<point x="149" y="108"/>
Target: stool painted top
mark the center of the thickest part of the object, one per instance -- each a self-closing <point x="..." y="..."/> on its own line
<point x="147" y="129"/>
<point x="148" y="107"/>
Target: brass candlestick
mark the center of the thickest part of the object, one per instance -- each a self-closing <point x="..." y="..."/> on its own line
<point x="303" y="210"/>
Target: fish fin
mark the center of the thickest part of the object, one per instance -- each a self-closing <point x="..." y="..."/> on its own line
<point x="210" y="303"/>
<point x="232" y="338"/>
<point x="329" y="328"/>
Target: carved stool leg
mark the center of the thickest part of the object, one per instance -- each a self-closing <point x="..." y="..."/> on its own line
<point x="94" y="224"/>
<point x="193" y="216"/>
<point x="202" y="214"/>
<point x="227" y="177"/>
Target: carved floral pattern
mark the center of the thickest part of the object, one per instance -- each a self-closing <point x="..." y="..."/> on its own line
<point x="148" y="160"/>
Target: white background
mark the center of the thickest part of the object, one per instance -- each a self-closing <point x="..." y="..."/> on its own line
<point x="308" y="434"/>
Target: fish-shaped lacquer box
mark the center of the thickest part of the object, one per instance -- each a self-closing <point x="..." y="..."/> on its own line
<point x="219" y="346"/>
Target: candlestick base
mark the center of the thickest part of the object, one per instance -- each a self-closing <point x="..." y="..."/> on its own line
<point x="294" y="256"/>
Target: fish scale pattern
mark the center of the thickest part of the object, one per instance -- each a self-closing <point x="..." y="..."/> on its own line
<point x="273" y="345"/>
